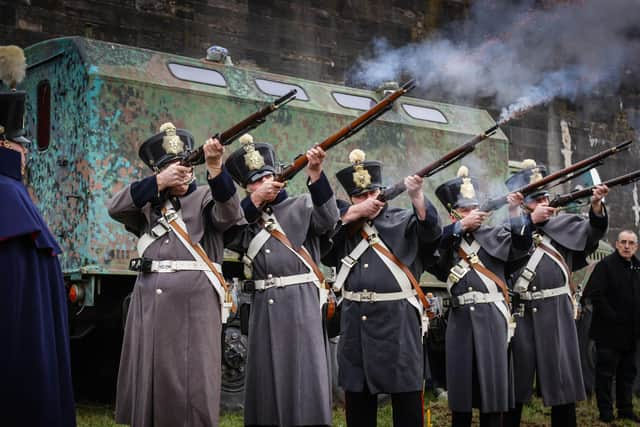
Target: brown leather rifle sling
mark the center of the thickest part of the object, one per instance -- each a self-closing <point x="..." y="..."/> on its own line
<point x="404" y="268"/>
<point x="178" y="229"/>
<point x="331" y="303"/>
<point x="553" y="253"/>
<point x="488" y="273"/>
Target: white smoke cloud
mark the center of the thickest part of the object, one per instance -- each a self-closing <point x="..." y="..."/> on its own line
<point x="520" y="55"/>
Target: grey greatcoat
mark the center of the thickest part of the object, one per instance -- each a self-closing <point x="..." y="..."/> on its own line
<point x="381" y="343"/>
<point x="545" y="346"/>
<point x="479" y="368"/>
<point x="171" y="354"/>
<point x="288" y="370"/>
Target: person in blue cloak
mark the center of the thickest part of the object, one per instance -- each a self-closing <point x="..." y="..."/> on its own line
<point x="35" y="373"/>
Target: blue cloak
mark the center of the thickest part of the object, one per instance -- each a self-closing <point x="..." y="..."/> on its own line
<point x="35" y="374"/>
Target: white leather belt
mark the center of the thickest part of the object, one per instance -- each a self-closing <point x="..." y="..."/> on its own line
<point x="545" y="293"/>
<point x="170" y="266"/>
<point x="279" y="282"/>
<point x="367" y="296"/>
<point x="476" y="298"/>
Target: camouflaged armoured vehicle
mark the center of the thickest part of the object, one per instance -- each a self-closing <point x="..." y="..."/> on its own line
<point x="90" y="105"/>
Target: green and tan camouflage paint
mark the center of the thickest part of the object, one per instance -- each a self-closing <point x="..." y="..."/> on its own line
<point x="108" y="98"/>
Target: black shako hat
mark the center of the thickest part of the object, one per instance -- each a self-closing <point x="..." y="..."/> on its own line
<point x="362" y="176"/>
<point x="166" y="146"/>
<point x="530" y="173"/>
<point x="12" y="106"/>
<point x="13" y="67"/>
<point x="460" y="192"/>
<point x="251" y="162"/>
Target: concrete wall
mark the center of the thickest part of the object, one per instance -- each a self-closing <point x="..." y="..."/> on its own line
<point x="320" y="40"/>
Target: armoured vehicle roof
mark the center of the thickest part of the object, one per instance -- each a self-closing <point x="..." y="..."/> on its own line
<point x="91" y="103"/>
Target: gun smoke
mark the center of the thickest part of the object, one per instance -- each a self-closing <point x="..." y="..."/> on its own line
<point x="519" y="53"/>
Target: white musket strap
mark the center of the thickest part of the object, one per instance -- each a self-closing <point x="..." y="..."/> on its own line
<point x="366" y="296"/>
<point x="160" y="229"/>
<point x="217" y="281"/>
<point x="259" y="240"/>
<point x="461" y="269"/>
<point x="528" y="274"/>
<point x="500" y="303"/>
<point x="348" y="262"/>
<point x="401" y="277"/>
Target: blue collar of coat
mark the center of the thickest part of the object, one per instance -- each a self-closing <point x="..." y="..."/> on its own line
<point x="11" y="164"/>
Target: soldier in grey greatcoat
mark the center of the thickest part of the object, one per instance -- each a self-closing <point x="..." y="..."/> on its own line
<point x="288" y="369"/>
<point x="171" y="355"/>
<point x="480" y="325"/>
<point x="381" y="346"/>
<point x="545" y="347"/>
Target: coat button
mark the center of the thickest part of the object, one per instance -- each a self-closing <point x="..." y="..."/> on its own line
<point x="271" y="301"/>
<point x="267" y="251"/>
<point x="534" y="309"/>
<point x="470" y="289"/>
<point x="166" y="242"/>
<point x="366" y="266"/>
<point x="158" y="291"/>
<point x="533" y="288"/>
<point x="364" y="317"/>
<point x="269" y="276"/>
<point x="472" y="308"/>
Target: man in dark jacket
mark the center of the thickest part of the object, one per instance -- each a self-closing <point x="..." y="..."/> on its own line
<point x="35" y="371"/>
<point x="545" y="346"/>
<point x="380" y="253"/>
<point x="614" y="290"/>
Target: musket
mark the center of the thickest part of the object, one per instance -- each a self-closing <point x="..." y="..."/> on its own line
<point x="564" y="175"/>
<point x="348" y="131"/>
<point x="564" y="199"/>
<point x="440" y="164"/>
<point x="252" y="121"/>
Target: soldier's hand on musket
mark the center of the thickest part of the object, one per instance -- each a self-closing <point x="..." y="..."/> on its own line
<point x="542" y="213"/>
<point x="369" y="208"/>
<point x="515" y="200"/>
<point x="266" y="192"/>
<point x="315" y="156"/>
<point x="174" y="175"/>
<point x="474" y="219"/>
<point x="414" y="190"/>
<point x="596" y="199"/>
<point x="213" y="152"/>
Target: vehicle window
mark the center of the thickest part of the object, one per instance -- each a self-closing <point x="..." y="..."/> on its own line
<point x="271" y="87"/>
<point x="43" y="114"/>
<point x="197" y="74"/>
<point x="424" y="113"/>
<point x="353" y="101"/>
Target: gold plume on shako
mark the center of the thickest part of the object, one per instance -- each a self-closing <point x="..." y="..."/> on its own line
<point x="13" y="65"/>
<point x="536" y="175"/>
<point x="466" y="187"/>
<point x="252" y="158"/>
<point x="171" y="142"/>
<point x="361" y="176"/>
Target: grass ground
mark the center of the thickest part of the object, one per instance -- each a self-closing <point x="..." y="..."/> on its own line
<point x="534" y="415"/>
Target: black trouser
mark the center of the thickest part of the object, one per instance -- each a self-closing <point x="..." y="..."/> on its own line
<point x="489" y="419"/>
<point x="362" y="409"/>
<point x="561" y="416"/>
<point x="612" y="363"/>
